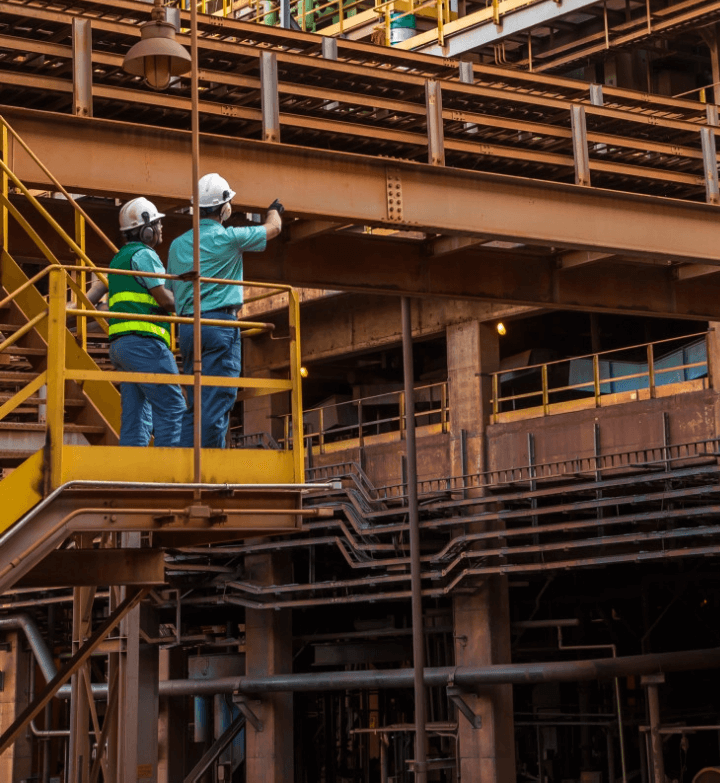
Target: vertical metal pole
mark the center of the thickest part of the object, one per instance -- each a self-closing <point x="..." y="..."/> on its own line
<point x="55" y="379"/>
<point x="433" y="106"/>
<point x="651" y="370"/>
<point x="329" y="48"/>
<point x="651" y="682"/>
<point x="82" y="67"/>
<point x="5" y="151"/>
<point x="80" y="242"/>
<point x="580" y="147"/>
<point x="296" y="400"/>
<point x="269" y="97"/>
<point x="417" y="617"/>
<point x="197" y="335"/>
<point x="712" y="191"/>
<point x="621" y="730"/>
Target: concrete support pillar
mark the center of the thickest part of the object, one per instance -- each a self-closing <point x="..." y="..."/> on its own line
<point x="473" y="352"/>
<point x="268" y="642"/>
<point x="482" y="619"/>
<point x="16" y="761"/>
<point x="261" y="414"/>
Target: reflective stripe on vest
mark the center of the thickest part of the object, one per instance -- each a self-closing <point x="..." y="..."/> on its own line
<point x="122" y="327"/>
<point x="132" y="296"/>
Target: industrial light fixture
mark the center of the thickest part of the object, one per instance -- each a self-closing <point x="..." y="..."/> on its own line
<point x="304" y="372"/>
<point x="157" y="56"/>
<point x="501" y="328"/>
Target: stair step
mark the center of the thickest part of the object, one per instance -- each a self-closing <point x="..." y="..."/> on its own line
<point x="69" y="403"/>
<point x="17" y="377"/>
<point x="22" y="426"/>
<point x="16" y="350"/>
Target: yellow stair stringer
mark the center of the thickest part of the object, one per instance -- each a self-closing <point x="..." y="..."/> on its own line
<point x="102" y="394"/>
<point x="21" y="490"/>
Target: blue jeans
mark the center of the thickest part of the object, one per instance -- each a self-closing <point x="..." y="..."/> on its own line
<point x="220" y="356"/>
<point x="147" y="407"/>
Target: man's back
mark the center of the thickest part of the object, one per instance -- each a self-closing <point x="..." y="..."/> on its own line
<point x="221" y="252"/>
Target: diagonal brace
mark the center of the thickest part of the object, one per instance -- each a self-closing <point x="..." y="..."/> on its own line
<point x="216" y="749"/>
<point x="71" y="667"/>
<point x="241" y="702"/>
<point x="456" y="697"/>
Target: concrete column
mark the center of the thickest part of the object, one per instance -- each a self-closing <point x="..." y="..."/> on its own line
<point x="482" y="619"/>
<point x="473" y="352"/>
<point x="16" y="761"/>
<point x="268" y="643"/>
<point x="261" y="414"/>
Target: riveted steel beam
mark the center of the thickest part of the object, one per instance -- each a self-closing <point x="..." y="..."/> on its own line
<point x="353" y="189"/>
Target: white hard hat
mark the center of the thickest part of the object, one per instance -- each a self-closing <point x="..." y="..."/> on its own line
<point x="214" y="190"/>
<point x="138" y="212"/>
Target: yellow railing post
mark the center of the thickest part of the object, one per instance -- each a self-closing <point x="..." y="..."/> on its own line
<point x="321" y="430"/>
<point x="80" y="242"/>
<point x="651" y="370"/>
<point x="495" y="396"/>
<point x="545" y="393"/>
<point x="401" y="406"/>
<point x="596" y="379"/>
<point x="443" y="407"/>
<point x="296" y="393"/>
<point x="55" y="379"/>
<point x="5" y="155"/>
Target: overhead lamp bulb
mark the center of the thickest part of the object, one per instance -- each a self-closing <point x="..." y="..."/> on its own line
<point x="157" y="56"/>
<point x="304" y="372"/>
<point x="501" y="329"/>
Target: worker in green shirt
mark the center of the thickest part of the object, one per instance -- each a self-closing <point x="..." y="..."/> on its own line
<point x="143" y="346"/>
<point x="221" y="256"/>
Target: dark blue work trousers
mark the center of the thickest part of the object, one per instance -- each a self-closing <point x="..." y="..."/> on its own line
<point x="220" y="356"/>
<point x="147" y="408"/>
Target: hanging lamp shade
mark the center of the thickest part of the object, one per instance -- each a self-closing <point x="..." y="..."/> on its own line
<point x="157" y="56"/>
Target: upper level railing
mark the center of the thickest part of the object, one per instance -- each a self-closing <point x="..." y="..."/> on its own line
<point x="370" y="416"/>
<point x="489" y="120"/>
<point x="598" y="375"/>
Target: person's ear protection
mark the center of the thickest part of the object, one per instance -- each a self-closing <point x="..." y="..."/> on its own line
<point x="148" y="232"/>
<point x="225" y="212"/>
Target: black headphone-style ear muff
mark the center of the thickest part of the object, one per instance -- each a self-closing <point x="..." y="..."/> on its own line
<point x="148" y="232"/>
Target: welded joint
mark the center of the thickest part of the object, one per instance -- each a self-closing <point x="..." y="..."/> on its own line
<point x="240" y="701"/>
<point x="456" y="697"/>
<point x="393" y="184"/>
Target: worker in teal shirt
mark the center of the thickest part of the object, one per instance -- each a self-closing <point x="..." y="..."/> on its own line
<point x="138" y="345"/>
<point x="221" y="256"/>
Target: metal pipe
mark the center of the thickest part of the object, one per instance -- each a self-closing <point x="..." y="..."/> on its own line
<point x="420" y="765"/>
<point x="197" y="334"/>
<point x="43" y="656"/>
<point x="462" y="677"/>
<point x="658" y="762"/>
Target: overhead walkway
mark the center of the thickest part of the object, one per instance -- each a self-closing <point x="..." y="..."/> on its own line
<point x="498" y="184"/>
<point x="66" y="478"/>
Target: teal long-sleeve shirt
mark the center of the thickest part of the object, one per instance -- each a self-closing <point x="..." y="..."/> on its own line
<point x="221" y="256"/>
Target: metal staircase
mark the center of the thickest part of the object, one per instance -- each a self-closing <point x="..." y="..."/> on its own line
<point x="65" y="478"/>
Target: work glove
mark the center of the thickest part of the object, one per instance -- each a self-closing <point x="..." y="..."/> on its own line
<point x="277" y="206"/>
